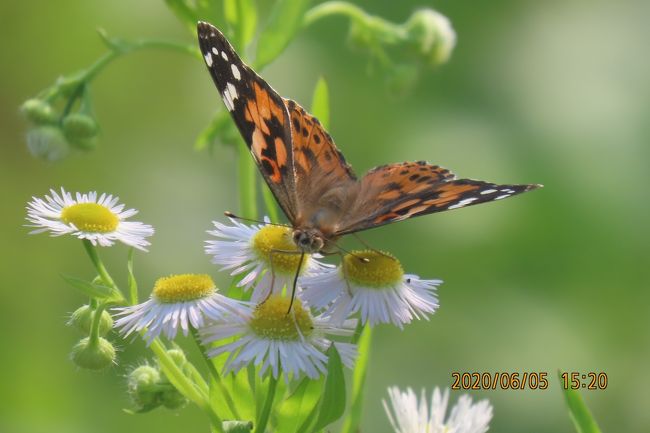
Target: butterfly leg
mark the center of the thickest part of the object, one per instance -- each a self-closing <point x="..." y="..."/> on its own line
<point x="295" y="278"/>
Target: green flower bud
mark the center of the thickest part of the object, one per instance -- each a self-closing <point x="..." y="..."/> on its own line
<point x="78" y="126"/>
<point x="93" y="354"/>
<point x="82" y="319"/>
<point x="178" y="356"/>
<point x="84" y="144"/>
<point x="144" y="388"/>
<point x="39" y="111"/>
<point x="432" y="34"/>
<point x="48" y="143"/>
<point x="172" y="399"/>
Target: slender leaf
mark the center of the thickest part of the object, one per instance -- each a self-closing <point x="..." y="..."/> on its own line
<point x="94" y="290"/>
<point x="582" y="419"/>
<point x="351" y="424"/>
<point x="132" y="282"/>
<point x="284" y="22"/>
<point x="332" y="403"/>
<point x="183" y="12"/>
<point x="296" y="408"/>
<point x="242" y="16"/>
<point x="320" y="103"/>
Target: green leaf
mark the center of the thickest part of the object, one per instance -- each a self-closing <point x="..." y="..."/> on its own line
<point x="320" y="103"/>
<point x="94" y="290"/>
<point x="132" y="282"/>
<point x="183" y="12"/>
<point x="580" y="414"/>
<point x="284" y="22"/>
<point x="217" y="128"/>
<point x="296" y="408"/>
<point x="242" y="15"/>
<point x="351" y="424"/>
<point x="332" y="403"/>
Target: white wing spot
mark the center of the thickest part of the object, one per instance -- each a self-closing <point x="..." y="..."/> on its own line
<point x="235" y="71"/>
<point x="208" y="59"/>
<point x="232" y="90"/>
<point x="502" y="196"/>
<point x="224" y="55"/>
<point x="215" y="51"/>
<point x="488" y="191"/>
<point x="228" y="101"/>
<point x="463" y="203"/>
<point x="507" y="191"/>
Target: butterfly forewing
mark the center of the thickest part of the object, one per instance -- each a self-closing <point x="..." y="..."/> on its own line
<point x="396" y="192"/>
<point x="258" y="111"/>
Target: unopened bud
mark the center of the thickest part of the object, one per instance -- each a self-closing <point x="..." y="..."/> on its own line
<point x="172" y="399"/>
<point x="433" y="35"/>
<point x="143" y="387"/>
<point x="48" y="143"/>
<point x="38" y="111"/>
<point x="82" y="319"/>
<point x="93" y="354"/>
<point x="79" y="126"/>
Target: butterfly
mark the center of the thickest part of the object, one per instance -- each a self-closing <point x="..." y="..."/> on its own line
<point x="317" y="190"/>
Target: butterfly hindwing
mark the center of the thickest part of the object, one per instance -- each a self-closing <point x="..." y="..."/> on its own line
<point x="259" y="112"/>
<point x="397" y="192"/>
<point x="320" y="168"/>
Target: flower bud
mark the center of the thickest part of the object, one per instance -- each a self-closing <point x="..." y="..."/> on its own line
<point x="172" y="399"/>
<point x="93" y="354"/>
<point x="433" y="35"/>
<point x="143" y="387"/>
<point x="38" y="111"/>
<point x="48" y="143"/>
<point x="79" y="126"/>
<point x="178" y="356"/>
<point x="82" y="319"/>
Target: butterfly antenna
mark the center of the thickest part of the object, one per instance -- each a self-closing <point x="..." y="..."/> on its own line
<point x="365" y="244"/>
<point x="237" y="217"/>
<point x="362" y="259"/>
<point x="295" y="282"/>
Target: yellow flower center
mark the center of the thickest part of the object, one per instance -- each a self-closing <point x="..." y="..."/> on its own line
<point x="90" y="217"/>
<point x="378" y="271"/>
<point x="184" y="287"/>
<point x="266" y="243"/>
<point x="273" y="320"/>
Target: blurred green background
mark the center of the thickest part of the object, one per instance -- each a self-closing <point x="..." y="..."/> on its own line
<point x="551" y="92"/>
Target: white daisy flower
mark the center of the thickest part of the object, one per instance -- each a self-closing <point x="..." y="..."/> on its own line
<point x="277" y="341"/>
<point x="101" y="220"/>
<point x="176" y="303"/>
<point x="376" y="287"/>
<point x="251" y="251"/>
<point x="408" y="415"/>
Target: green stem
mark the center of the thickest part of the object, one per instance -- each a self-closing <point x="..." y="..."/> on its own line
<point x="215" y="375"/>
<point x="101" y="270"/>
<point x="97" y="318"/>
<point x="268" y="404"/>
<point x="356" y="14"/>
<point x="73" y="82"/>
<point x="133" y="284"/>
<point x="184" y="385"/>
<point x="270" y="203"/>
<point x="247" y="189"/>
<point x="353" y="419"/>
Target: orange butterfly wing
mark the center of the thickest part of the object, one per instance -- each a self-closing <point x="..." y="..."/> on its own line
<point x="396" y="192"/>
<point x="258" y="111"/>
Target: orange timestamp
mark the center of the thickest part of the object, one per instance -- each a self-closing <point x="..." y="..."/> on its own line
<point x="500" y="380"/>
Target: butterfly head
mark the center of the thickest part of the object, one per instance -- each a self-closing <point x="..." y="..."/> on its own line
<point x="309" y="240"/>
